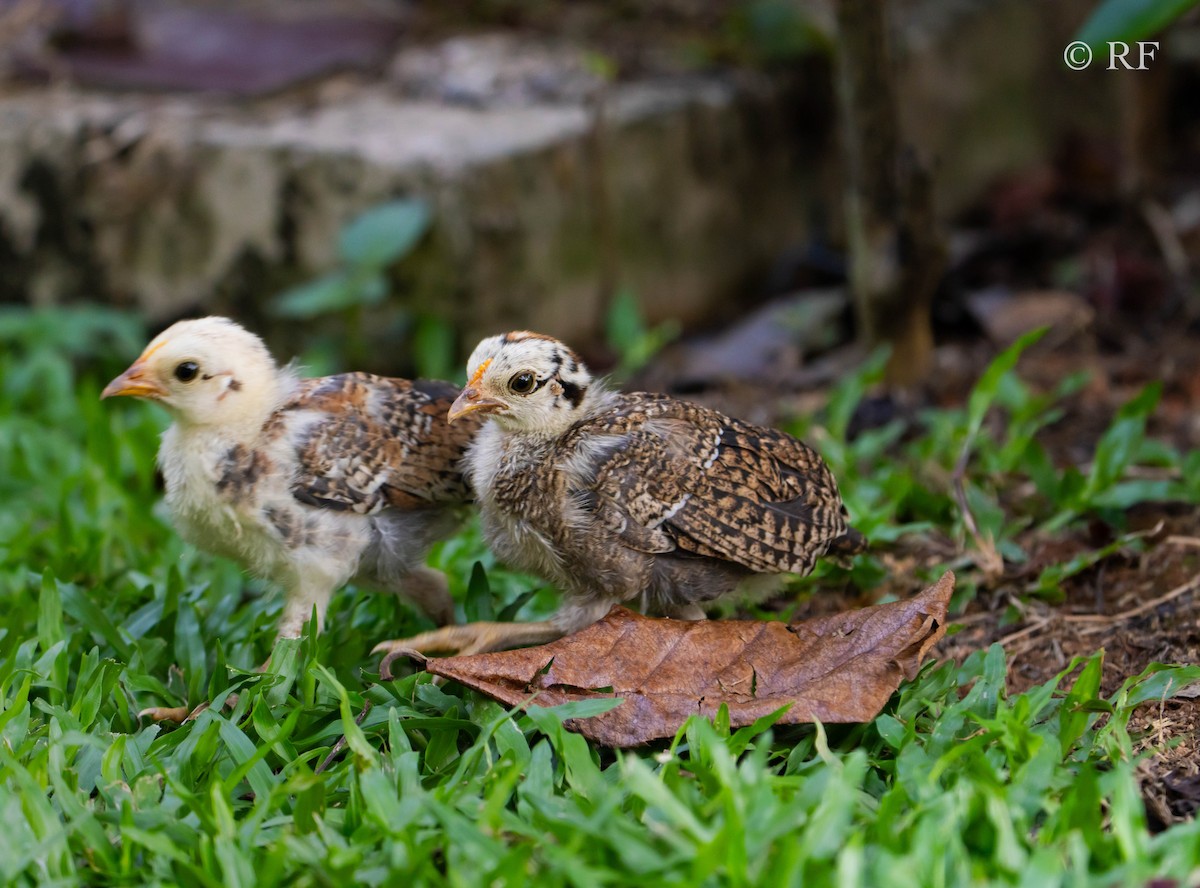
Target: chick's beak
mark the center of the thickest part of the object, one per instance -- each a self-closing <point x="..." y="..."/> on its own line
<point x="471" y="400"/>
<point x="137" y="382"/>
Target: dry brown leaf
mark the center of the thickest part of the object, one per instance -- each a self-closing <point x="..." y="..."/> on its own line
<point x="839" y="668"/>
<point x="1005" y="316"/>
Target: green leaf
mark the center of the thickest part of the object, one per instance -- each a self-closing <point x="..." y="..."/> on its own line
<point x="1158" y="681"/>
<point x="332" y="293"/>
<point x="309" y="804"/>
<point x="1130" y="20"/>
<point x="50" y="615"/>
<point x="988" y="386"/>
<point x="624" y="325"/>
<point x="630" y="337"/>
<point x="742" y="737"/>
<point x="1074" y="716"/>
<point x="891" y="731"/>
<point x="1124" y="494"/>
<point x="1049" y="582"/>
<point x="544" y="716"/>
<point x="189" y="650"/>
<point x="479" y="605"/>
<point x="1119" y="444"/>
<point x="285" y="663"/>
<point x="849" y="392"/>
<point x="433" y="348"/>
<point x="247" y="758"/>
<point x="1041" y="471"/>
<point x="1191" y="475"/>
<point x="384" y="234"/>
<point x="509" y="612"/>
<point x="355" y="738"/>
<point x="83" y="608"/>
<point x="19" y="705"/>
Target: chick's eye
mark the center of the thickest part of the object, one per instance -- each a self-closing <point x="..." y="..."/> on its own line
<point x="522" y="383"/>
<point x="187" y="371"/>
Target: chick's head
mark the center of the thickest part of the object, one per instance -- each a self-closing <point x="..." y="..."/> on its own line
<point x="206" y="372"/>
<point x="530" y="383"/>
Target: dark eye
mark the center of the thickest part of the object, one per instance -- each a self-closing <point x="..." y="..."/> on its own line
<point x="187" y="371"/>
<point x="523" y="382"/>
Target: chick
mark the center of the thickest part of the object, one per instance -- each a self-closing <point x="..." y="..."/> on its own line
<point x="308" y="483"/>
<point x="620" y="498"/>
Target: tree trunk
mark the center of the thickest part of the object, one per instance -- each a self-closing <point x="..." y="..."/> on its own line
<point x="896" y="255"/>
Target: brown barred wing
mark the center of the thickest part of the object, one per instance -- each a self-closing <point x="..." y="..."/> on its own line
<point x="717" y="487"/>
<point x="378" y="443"/>
<point x="631" y="497"/>
<point x="773" y="506"/>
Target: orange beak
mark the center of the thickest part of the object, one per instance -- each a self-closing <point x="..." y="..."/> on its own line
<point x="136" y="382"/>
<point x="471" y="400"/>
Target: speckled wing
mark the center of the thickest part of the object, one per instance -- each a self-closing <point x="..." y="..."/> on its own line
<point x="690" y="478"/>
<point x="378" y="442"/>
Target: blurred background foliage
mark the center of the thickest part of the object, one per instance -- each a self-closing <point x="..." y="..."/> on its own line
<point x="1130" y="20"/>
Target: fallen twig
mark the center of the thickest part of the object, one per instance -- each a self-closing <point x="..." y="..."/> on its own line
<point x="1166" y="236"/>
<point x="1102" y="621"/>
<point x="1021" y="633"/>
<point x="341" y="743"/>
<point x="1107" y="619"/>
<point x="990" y="561"/>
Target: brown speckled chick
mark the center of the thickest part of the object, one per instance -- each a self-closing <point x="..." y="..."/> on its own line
<point x="621" y="498"/>
<point x="308" y="483"/>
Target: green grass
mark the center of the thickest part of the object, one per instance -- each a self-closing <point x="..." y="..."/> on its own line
<point x="103" y="611"/>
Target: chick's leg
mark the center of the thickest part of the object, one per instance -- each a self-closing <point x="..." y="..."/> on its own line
<point x="176" y="714"/>
<point x="473" y="638"/>
<point x="312" y="588"/>
<point x="482" y="637"/>
<point x="427" y="589"/>
<point x="685" y="612"/>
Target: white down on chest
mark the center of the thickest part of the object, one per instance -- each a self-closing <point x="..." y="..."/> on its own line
<point x="244" y="509"/>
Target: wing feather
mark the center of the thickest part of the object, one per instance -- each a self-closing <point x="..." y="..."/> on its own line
<point x="373" y="442"/>
<point x="702" y="482"/>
